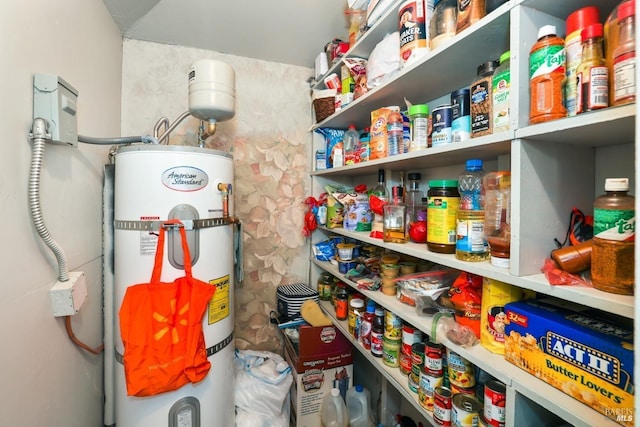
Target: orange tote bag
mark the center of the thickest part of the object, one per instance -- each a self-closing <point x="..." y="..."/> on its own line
<point x="161" y="328"/>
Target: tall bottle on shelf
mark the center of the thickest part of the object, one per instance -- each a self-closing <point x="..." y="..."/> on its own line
<point x="395" y="228"/>
<point x="413" y="198"/>
<point x="497" y="216"/>
<point x="351" y="143"/>
<point x="380" y="192"/>
<point x="377" y="332"/>
<point x="547" y="77"/>
<point x="395" y="132"/>
<point x="612" y="256"/>
<point x="471" y="243"/>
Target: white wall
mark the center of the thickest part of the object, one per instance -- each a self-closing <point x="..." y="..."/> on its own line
<point x="45" y="379"/>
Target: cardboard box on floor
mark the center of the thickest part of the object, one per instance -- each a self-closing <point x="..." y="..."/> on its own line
<point x="321" y="360"/>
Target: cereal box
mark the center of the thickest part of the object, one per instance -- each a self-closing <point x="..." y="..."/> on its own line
<point x="583" y="352"/>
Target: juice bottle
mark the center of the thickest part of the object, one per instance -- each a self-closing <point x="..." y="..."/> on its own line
<point x="547" y="77"/>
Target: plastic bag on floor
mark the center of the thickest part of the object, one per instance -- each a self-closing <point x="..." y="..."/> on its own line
<point x="263" y="380"/>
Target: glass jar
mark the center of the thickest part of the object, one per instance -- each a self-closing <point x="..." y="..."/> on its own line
<point x="443" y="22"/>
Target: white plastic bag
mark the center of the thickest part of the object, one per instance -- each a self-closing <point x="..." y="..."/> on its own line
<point x="263" y="380"/>
<point x="384" y="61"/>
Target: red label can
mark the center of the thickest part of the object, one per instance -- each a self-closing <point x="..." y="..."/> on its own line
<point x="494" y="403"/>
<point x="433" y="358"/>
<point x="410" y="336"/>
<point x="442" y="406"/>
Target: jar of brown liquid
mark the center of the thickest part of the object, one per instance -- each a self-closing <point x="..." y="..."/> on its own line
<point x="612" y="257"/>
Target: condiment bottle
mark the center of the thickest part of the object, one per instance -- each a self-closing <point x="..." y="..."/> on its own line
<point x="497" y="217"/>
<point x="612" y="256"/>
<point x="624" y="56"/>
<point x="576" y="22"/>
<point x="356" y="309"/>
<point x="367" y="324"/>
<point x="377" y="332"/>
<point x="481" y="117"/>
<point x="592" y="75"/>
<point x="500" y="94"/>
<point x="547" y="77"/>
<point x="342" y="302"/>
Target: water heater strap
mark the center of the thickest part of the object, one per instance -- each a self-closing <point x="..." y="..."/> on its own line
<point x="189" y="224"/>
<point x="210" y="350"/>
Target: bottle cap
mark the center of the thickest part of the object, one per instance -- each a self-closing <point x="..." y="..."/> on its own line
<point x="335" y="392"/>
<point x="419" y="109"/>
<point x="505" y="56"/>
<point x="593" y="30"/>
<point x="547" y="30"/>
<point x="616" y="184"/>
<point x="371" y="306"/>
<point x="487" y="68"/>
<point x="379" y="311"/>
<point x="359" y="388"/>
<point x="352" y="126"/>
<point x="439" y="183"/>
<point x="474" y="164"/>
<point x="582" y="18"/>
<point x="459" y="92"/>
<point x="357" y="303"/>
<point x="414" y="176"/>
<point x="626" y="9"/>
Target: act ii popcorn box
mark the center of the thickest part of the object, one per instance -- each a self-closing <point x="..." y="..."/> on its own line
<point x="583" y="352"/>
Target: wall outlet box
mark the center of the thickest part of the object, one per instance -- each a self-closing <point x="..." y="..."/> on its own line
<point x="67" y="297"/>
<point x="55" y="101"/>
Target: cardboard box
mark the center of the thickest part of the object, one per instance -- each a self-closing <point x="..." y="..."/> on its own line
<point x="583" y="352"/>
<point x="321" y="360"/>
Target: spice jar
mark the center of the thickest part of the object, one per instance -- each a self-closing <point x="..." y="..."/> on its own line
<point x="547" y="77"/>
<point x="592" y="73"/>
<point x="481" y="116"/>
<point x="419" y="116"/>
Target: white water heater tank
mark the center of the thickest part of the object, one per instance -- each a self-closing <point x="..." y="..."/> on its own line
<point x="212" y="90"/>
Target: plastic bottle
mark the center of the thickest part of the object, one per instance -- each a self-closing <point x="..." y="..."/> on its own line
<point x="363" y="147"/>
<point x="419" y="115"/>
<point x="377" y="332"/>
<point x="351" y="142"/>
<point x="592" y="75"/>
<point x="341" y="302"/>
<point x="333" y="412"/>
<point x="359" y="406"/>
<point x="381" y="192"/>
<point x="367" y="324"/>
<point x="395" y="141"/>
<point x="547" y="77"/>
<point x="497" y="216"/>
<point x="612" y="256"/>
<point x="576" y="22"/>
<point x="500" y="94"/>
<point x="470" y="243"/>
<point x="624" y="56"/>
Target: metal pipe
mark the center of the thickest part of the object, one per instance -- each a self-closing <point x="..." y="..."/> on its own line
<point x="173" y="126"/>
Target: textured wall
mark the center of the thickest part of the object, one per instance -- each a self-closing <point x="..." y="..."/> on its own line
<point x="270" y="144"/>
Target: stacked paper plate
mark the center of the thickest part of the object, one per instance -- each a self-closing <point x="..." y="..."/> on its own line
<point x="291" y="297"/>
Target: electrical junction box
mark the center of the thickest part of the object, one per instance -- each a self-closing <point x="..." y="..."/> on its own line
<point x="67" y="297"/>
<point x="55" y="101"/>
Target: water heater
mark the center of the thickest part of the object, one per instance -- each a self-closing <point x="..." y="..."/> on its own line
<point x="154" y="183"/>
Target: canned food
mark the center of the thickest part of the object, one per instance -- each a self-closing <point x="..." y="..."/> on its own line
<point x="442" y="406"/>
<point x="426" y="387"/>
<point x="405" y="363"/>
<point x="471" y="391"/>
<point x="391" y="351"/>
<point x="494" y="403"/>
<point x="410" y="336"/>
<point x="465" y="411"/>
<point x="392" y="325"/>
<point x="417" y="358"/>
<point x="413" y="382"/>
<point x="460" y="370"/>
<point x="433" y="353"/>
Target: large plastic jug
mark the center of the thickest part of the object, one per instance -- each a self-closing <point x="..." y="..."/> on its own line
<point x="333" y="412"/>
<point x="358" y="406"/>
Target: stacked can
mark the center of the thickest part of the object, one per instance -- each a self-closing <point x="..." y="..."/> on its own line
<point x="494" y="403"/>
<point x="465" y="410"/>
<point x="392" y="339"/>
<point x="442" y="406"/>
<point x="461" y="374"/>
<point x="410" y="336"/>
<point x="417" y="362"/>
<point x="431" y="375"/>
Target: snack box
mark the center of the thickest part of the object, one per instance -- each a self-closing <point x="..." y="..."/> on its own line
<point x="583" y="352"/>
<point x="320" y="360"/>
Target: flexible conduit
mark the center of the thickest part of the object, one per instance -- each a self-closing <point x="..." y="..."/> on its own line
<point x="124" y="140"/>
<point x="39" y="136"/>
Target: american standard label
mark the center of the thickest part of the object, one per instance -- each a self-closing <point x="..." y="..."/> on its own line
<point x="185" y="178"/>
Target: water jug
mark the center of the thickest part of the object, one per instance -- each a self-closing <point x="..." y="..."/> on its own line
<point x="358" y="406"/>
<point x="333" y="412"/>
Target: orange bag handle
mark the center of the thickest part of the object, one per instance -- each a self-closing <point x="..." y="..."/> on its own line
<point x="157" y="265"/>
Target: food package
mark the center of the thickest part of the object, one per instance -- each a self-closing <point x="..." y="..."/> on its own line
<point x="378" y="147"/>
<point x="357" y="214"/>
<point x="334" y="141"/>
<point x="384" y="61"/>
<point x="466" y="296"/>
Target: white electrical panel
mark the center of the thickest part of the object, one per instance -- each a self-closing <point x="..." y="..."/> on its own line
<point x="55" y="101"/>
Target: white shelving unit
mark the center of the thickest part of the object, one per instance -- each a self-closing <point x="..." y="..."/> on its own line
<point x="555" y="166"/>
